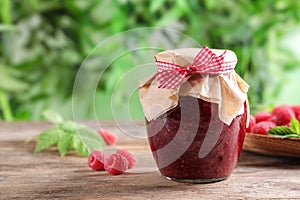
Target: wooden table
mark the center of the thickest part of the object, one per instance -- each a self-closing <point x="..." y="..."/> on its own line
<point x="25" y="175"/>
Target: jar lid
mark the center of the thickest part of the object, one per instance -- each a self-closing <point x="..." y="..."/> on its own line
<point x="228" y="90"/>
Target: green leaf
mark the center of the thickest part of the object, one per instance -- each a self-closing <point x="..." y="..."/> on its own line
<point x="64" y="142"/>
<point x="78" y="146"/>
<point x="90" y="139"/>
<point x="156" y="5"/>
<point x="295" y="126"/>
<point x="48" y="138"/>
<point x="69" y="126"/>
<point x="10" y="80"/>
<point x="286" y="132"/>
<point x="5" y="7"/>
<point x="6" y="27"/>
<point x="52" y="116"/>
<point x="5" y="107"/>
<point x="68" y="135"/>
<point x="279" y="131"/>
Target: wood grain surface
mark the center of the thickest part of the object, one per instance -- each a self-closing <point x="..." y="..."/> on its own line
<point x="25" y="175"/>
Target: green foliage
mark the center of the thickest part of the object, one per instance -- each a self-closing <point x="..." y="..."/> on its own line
<point x="81" y="139"/>
<point x="68" y="136"/>
<point x="286" y="132"/>
<point x="43" y="44"/>
<point x="48" y="138"/>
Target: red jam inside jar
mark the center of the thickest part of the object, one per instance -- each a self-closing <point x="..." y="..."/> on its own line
<point x="191" y="144"/>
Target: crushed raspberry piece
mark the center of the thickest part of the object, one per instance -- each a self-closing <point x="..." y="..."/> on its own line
<point x="130" y="158"/>
<point x="252" y="123"/>
<point x="262" y="116"/>
<point x="296" y="109"/>
<point x="115" y="164"/>
<point x="263" y="127"/>
<point x="109" y="138"/>
<point x="282" y="115"/>
<point x="96" y="160"/>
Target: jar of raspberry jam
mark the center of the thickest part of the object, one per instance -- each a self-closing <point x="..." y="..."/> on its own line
<point x="196" y="125"/>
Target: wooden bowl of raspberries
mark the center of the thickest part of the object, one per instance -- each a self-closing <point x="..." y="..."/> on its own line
<point x="275" y="133"/>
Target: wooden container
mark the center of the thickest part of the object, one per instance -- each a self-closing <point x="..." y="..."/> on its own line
<point x="272" y="146"/>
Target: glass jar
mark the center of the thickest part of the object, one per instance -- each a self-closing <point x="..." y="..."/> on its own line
<point x="195" y="108"/>
<point x="191" y="144"/>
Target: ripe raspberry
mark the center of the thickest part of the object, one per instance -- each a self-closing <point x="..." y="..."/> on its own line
<point x="130" y="158"/>
<point x="115" y="164"/>
<point x="296" y="109"/>
<point x="108" y="137"/>
<point x="262" y="116"/>
<point x="279" y="108"/>
<point x="96" y="160"/>
<point x="251" y="124"/>
<point x="263" y="127"/>
<point x="282" y="115"/>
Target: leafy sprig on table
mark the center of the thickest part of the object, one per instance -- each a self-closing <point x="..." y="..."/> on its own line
<point x="68" y="136"/>
<point x="286" y="132"/>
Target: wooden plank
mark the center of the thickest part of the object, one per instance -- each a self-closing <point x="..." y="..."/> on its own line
<point x="25" y="175"/>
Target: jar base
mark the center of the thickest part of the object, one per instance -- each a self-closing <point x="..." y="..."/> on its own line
<point x="196" y="180"/>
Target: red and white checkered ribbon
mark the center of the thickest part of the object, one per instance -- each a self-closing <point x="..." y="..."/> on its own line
<point x="170" y="75"/>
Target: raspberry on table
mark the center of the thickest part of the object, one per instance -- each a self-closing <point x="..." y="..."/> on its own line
<point x="115" y="164"/>
<point x="96" y="160"/>
<point x="282" y="115"/>
<point x="263" y="127"/>
<point x="109" y="138"/>
<point x="130" y="158"/>
<point x="262" y="116"/>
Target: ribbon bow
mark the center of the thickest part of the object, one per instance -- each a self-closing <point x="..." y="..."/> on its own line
<point x="170" y="75"/>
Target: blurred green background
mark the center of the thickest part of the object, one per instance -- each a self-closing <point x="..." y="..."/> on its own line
<point x="44" y="42"/>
